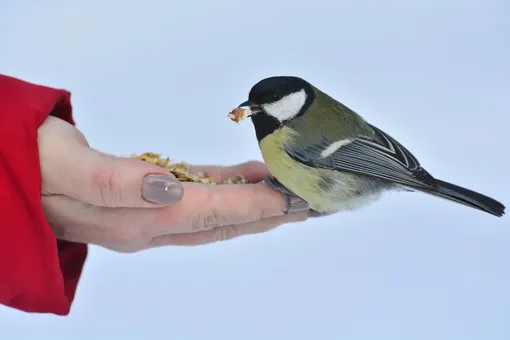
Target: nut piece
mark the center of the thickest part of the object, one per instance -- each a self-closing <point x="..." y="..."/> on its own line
<point x="239" y="114"/>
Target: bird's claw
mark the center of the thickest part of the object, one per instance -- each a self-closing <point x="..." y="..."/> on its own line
<point x="286" y="193"/>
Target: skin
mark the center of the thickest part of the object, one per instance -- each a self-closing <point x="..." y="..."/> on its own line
<point x="91" y="197"/>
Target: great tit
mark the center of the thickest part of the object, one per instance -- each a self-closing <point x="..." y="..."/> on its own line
<point x="321" y="151"/>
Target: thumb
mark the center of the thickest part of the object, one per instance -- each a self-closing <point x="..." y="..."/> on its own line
<point x="104" y="180"/>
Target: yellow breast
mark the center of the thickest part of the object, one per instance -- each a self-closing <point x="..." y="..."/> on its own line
<point x="297" y="177"/>
<point x="325" y="191"/>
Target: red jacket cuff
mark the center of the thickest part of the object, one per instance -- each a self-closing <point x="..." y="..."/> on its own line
<point x="37" y="272"/>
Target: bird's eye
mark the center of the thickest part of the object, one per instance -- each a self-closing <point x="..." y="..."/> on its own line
<point x="275" y="96"/>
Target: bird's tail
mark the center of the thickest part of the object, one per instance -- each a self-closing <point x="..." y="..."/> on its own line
<point x="468" y="197"/>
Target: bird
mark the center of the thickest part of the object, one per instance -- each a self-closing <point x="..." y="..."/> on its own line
<point x="321" y="151"/>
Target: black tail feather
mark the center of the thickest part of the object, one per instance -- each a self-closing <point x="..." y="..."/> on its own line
<point x="468" y="197"/>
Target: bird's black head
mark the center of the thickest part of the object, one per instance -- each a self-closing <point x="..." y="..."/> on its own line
<point x="276" y="100"/>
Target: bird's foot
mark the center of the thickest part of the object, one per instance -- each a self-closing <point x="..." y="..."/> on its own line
<point x="286" y="193"/>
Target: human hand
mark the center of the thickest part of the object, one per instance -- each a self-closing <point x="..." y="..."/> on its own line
<point x="91" y="197"/>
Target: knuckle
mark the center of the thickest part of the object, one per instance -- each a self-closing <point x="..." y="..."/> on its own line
<point x="209" y="217"/>
<point x="106" y="182"/>
<point x="225" y="233"/>
<point x="205" y="221"/>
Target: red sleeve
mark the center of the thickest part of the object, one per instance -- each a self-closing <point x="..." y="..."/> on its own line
<point x="37" y="273"/>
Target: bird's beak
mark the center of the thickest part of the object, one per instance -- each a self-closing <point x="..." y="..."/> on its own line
<point x="245" y="105"/>
<point x="254" y="108"/>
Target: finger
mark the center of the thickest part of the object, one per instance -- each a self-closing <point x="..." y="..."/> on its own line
<point x="120" y="229"/>
<point x="103" y="180"/>
<point x="205" y="207"/>
<point x="226" y="232"/>
<point x="253" y="171"/>
<point x="76" y="221"/>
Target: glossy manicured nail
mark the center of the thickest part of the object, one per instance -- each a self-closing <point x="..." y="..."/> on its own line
<point x="162" y="189"/>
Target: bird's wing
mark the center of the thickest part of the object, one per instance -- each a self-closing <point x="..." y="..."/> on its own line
<point x="378" y="156"/>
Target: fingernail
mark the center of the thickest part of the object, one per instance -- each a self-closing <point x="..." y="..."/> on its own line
<point x="161" y="189"/>
<point x="297" y="204"/>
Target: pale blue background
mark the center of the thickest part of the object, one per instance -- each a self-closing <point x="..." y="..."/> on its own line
<point x="147" y="75"/>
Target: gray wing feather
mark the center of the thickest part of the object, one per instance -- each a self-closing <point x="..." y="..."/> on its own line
<point x="379" y="156"/>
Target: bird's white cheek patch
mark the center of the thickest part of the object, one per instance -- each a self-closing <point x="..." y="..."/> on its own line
<point x="333" y="147"/>
<point x="287" y="107"/>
